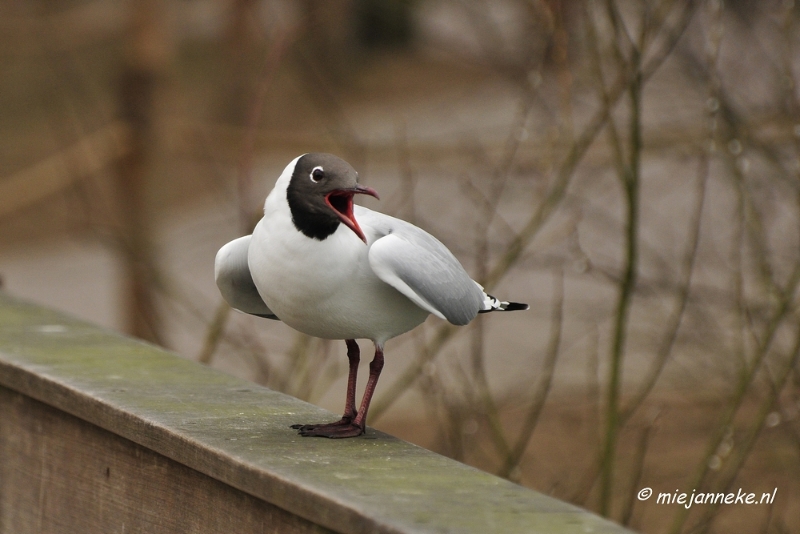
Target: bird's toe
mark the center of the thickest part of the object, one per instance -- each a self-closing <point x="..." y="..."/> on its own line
<point x="331" y="431"/>
<point x="344" y="421"/>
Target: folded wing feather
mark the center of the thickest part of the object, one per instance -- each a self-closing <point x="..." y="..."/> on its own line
<point x="235" y="282"/>
<point x="421" y="268"/>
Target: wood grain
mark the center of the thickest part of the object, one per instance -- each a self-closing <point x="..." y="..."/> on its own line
<point x="68" y="475"/>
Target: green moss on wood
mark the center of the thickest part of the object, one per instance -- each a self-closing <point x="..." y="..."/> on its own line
<point x="238" y="433"/>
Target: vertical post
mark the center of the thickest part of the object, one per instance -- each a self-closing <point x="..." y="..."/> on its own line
<point x="241" y="59"/>
<point x="144" y="62"/>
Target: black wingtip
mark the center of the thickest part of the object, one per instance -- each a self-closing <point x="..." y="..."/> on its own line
<point x="506" y="306"/>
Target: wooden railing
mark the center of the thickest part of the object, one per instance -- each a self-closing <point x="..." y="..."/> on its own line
<point x="100" y="433"/>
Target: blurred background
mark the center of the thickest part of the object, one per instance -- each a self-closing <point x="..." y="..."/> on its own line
<point x="630" y="168"/>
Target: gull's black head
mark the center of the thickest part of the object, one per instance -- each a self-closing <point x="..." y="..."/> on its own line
<point x="320" y="195"/>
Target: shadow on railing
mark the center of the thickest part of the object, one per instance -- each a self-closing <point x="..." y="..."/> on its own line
<point x="101" y="433"/>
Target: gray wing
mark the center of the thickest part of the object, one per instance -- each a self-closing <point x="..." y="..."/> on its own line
<point x="235" y="281"/>
<point x="420" y="267"/>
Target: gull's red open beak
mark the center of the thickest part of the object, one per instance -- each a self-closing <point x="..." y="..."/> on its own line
<point x="341" y="202"/>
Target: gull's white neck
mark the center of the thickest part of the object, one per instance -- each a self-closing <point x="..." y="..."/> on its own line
<point x="276" y="200"/>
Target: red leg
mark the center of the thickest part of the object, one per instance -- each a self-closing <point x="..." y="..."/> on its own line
<point x="375" y="368"/>
<point x="358" y="425"/>
<point x="353" y="357"/>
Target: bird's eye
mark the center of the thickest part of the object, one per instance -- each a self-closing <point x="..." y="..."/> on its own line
<point x="317" y="174"/>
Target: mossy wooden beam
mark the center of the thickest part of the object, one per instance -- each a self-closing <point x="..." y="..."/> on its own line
<point x="216" y="449"/>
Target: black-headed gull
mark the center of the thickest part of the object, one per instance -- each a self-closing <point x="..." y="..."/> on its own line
<point x="334" y="270"/>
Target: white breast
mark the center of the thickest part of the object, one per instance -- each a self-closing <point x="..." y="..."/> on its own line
<point x="325" y="288"/>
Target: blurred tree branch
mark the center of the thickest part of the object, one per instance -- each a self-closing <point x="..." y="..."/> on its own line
<point x="540" y="215"/>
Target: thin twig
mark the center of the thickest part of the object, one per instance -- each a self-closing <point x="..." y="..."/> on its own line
<point x="545" y="381"/>
<point x="630" y="178"/>
<point x="784" y="308"/>
<point x="682" y="297"/>
<point x="244" y="180"/>
<point x="742" y="452"/>
<point x="214" y="333"/>
<point x="640" y="454"/>
<point x="542" y="213"/>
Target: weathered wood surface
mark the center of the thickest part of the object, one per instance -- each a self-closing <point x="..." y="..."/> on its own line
<point x="100" y="433"/>
<point x="61" y="474"/>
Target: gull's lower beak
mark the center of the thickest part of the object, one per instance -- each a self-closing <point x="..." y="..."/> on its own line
<point x="341" y="202"/>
